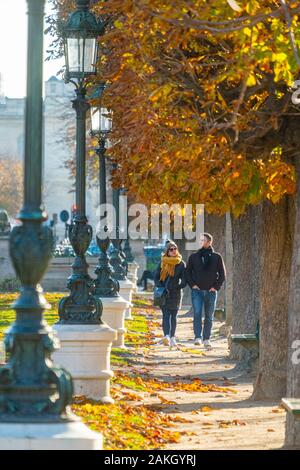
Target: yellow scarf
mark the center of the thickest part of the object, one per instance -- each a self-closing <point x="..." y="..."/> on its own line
<point x="168" y="264"/>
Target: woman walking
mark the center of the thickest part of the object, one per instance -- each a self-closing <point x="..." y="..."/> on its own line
<point x="170" y="274"/>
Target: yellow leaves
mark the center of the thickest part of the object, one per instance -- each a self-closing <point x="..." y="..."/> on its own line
<point x="161" y="92"/>
<point x="118" y="24"/>
<point x="252" y="6"/>
<point x="204" y="409"/>
<point x="165" y="401"/>
<point x="127" y="54"/>
<point x="192" y="351"/>
<point x="280" y="409"/>
<point x="279" y="57"/>
<point x="224" y="424"/>
<point x="179" y="419"/>
<point x="188" y="433"/>
<point x="127" y="427"/>
<point x="11" y="184"/>
<point x="280" y="178"/>
<point x="153" y="385"/>
<point x="89" y="409"/>
<point x="221" y="99"/>
<point x="282" y="71"/>
<point x="251" y="80"/>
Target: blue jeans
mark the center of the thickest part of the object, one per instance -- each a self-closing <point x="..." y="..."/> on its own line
<point x="207" y="299"/>
<point x="169" y="321"/>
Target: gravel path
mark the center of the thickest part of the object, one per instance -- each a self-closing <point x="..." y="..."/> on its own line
<point x="235" y="421"/>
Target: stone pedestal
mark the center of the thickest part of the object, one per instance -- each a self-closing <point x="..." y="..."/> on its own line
<point x="114" y="315"/>
<point x="49" y="436"/>
<point x="126" y="290"/>
<point x="132" y="274"/>
<point x="6" y="267"/>
<point x="56" y="277"/>
<point x="85" y="353"/>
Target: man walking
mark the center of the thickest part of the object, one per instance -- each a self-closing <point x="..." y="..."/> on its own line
<point x="205" y="274"/>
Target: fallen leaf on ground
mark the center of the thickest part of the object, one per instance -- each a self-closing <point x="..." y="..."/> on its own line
<point x="207" y="408"/>
<point x="238" y="422"/>
<point x="226" y="424"/>
<point x="223" y="425"/>
<point x="179" y="419"/>
<point x="165" y="401"/>
<point x="193" y="351"/>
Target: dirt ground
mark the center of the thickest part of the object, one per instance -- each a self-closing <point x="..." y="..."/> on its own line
<point x="236" y="422"/>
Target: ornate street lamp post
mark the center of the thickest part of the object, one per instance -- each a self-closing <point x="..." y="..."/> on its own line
<point x="32" y="390"/>
<point x="131" y="265"/>
<point x="127" y="248"/>
<point x="101" y="124"/>
<point x="107" y="286"/>
<point x="80" y="327"/>
<point x="128" y="252"/>
<point x="80" y="43"/>
<point x="117" y="257"/>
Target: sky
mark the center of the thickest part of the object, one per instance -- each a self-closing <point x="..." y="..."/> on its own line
<point x="13" y="52"/>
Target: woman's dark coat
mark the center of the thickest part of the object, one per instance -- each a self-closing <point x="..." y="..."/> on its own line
<point x="174" y="285"/>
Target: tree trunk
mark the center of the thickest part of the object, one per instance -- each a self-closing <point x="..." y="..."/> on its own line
<point x="246" y="273"/>
<point x="229" y="271"/>
<point x="292" y="434"/>
<point x="275" y="251"/>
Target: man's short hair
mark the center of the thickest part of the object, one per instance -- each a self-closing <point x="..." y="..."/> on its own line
<point x="208" y="236"/>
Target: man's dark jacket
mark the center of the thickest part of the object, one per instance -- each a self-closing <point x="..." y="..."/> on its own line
<point x="205" y="269"/>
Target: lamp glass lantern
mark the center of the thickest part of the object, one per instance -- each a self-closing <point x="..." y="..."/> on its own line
<point x="101" y="121"/>
<point x="81" y="56"/>
<point x="80" y="35"/>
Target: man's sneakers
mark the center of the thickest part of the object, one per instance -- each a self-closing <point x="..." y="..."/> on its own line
<point x="166" y="340"/>
<point x="207" y="344"/>
<point x="173" y="343"/>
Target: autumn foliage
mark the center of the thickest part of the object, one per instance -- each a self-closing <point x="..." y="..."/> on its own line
<point x="200" y="96"/>
<point x="11" y="185"/>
